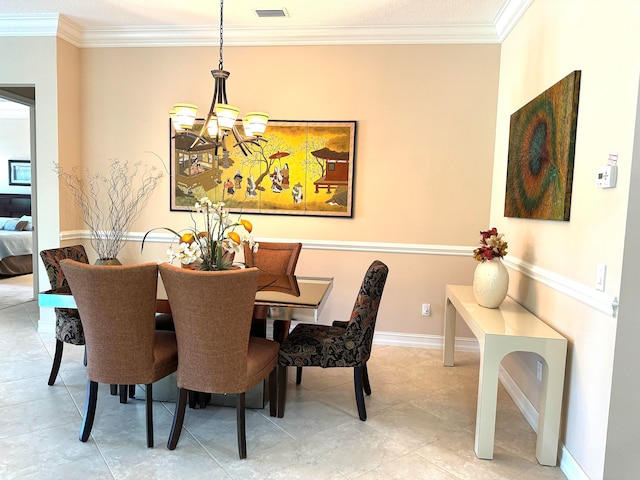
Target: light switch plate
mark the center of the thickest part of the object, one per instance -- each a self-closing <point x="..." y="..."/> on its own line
<point x="601" y="273"/>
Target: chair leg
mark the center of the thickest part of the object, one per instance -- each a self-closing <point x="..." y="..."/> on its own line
<point x="113" y="389"/>
<point x="124" y="390"/>
<point x="273" y="392"/>
<point x="281" y="330"/>
<point x="365" y="380"/>
<point x="132" y="391"/>
<point x="149" y="411"/>
<point x="282" y="389"/>
<point x="57" y="358"/>
<point x="357" y="381"/>
<point x="89" y="410"/>
<point x="178" y="418"/>
<point x="242" y="439"/>
<point x="298" y="375"/>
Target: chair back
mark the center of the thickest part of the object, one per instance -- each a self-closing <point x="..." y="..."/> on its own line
<point x="212" y="316"/>
<point x="51" y="259"/>
<point x="362" y="323"/>
<point x="273" y="257"/>
<point x="117" y="305"/>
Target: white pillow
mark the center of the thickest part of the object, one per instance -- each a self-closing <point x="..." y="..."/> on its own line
<point x="15" y="224"/>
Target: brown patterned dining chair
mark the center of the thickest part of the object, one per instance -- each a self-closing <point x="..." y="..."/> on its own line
<point x="342" y="344"/>
<point x="279" y="258"/>
<point x="124" y="348"/>
<point x="68" y="324"/>
<point x="212" y="317"/>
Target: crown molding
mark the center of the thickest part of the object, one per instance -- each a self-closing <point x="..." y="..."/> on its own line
<point x="54" y="24"/>
<point x="510" y="14"/>
<point x="250" y="36"/>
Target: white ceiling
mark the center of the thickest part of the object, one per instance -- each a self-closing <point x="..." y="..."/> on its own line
<point x="89" y="23"/>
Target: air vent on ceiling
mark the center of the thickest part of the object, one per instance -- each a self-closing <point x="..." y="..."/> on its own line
<point x="272" y="13"/>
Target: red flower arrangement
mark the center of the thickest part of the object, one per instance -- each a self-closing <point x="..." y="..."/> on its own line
<point x="492" y="245"/>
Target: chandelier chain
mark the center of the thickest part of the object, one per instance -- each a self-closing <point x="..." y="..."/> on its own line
<point x="221" y="9"/>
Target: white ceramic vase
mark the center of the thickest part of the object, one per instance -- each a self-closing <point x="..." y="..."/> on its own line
<point x="490" y="283"/>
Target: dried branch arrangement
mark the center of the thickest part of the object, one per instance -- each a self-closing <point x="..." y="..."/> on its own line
<point x="111" y="203"/>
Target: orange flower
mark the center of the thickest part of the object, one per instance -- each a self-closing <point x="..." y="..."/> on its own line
<point x="234" y="236"/>
<point x="247" y="225"/>
<point x="187" y="238"/>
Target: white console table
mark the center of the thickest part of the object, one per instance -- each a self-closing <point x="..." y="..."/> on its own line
<point x="500" y="331"/>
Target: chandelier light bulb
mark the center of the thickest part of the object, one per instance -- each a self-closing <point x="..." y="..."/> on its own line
<point x="246" y="125"/>
<point x="257" y="123"/>
<point x="227" y="115"/>
<point x="212" y="127"/>
<point x="184" y="115"/>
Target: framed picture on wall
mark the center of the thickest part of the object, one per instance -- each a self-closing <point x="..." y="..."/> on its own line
<point x="20" y="172"/>
<point x="299" y="168"/>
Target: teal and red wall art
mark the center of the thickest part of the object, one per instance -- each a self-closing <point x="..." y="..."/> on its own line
<point x="542" y="139"/>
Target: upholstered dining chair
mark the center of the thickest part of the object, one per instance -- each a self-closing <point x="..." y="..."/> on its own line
<point x="123" y="348"/>
<point x="212" y="318"/>
<point x="68" y="324"/>
<point x="342" y="344"/>
<point x="279" y="258"/>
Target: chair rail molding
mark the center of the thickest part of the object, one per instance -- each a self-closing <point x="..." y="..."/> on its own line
<point x="596" y="299"/>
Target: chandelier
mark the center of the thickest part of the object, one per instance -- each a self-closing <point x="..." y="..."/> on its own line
<point x="221" y="119"/>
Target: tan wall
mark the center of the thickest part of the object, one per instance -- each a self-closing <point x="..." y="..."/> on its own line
<point x="424" y="149"/>
<point x="71" y="126"/>
<point x="554" y="38"/>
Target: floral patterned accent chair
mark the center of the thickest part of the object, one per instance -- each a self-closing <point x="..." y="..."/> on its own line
<point x="212" y="316"/>
<point x="342" y="344"/>
<point x="278" y="258"/>
<point x="68" y="324"/>
<point x="123" y="349"/>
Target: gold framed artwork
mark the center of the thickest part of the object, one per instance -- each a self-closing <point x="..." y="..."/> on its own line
<point x="542" y="139"/>
<point x="303" y="168"/>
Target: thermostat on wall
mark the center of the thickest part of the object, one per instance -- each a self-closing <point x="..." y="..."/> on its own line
<point x="607" y="176"/>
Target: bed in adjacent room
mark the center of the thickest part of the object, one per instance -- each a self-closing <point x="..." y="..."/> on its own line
<point x="16" y="246"/>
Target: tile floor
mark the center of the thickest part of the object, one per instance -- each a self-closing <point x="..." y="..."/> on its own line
<point x="420" y="423"/>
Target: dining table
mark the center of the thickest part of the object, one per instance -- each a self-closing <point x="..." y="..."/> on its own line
<point x="290" y="297"/>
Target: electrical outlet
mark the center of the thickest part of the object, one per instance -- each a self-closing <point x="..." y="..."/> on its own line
<point x="426" y="309"/>
<point x="539" y="370"/>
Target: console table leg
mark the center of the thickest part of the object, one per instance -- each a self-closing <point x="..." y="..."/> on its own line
<point x="550" y="408"/>
<point x="449" y="333"/>
<point x="487" y="403"/>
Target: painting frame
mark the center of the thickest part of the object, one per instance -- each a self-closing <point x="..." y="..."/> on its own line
<point x="300" y="167"/>
<point x="20" y="173"/>
<point x="541" y="154"/>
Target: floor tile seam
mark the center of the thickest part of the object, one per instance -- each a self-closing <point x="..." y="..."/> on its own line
<point x="451" y="472"/>
<point x="445" y="432"/>
<point x="209" y="453"/>
<point x="25" y="402"/>
<point x="185" y="428"/>
<point x="79" y="408"/>
<point x="411" y="452"/>
<point x="28" y="431"/>
<point x="322" y="460"/>
<point x="13" y="305"/>
<point x="102" y="455"/>
<point x="273" y="421"/>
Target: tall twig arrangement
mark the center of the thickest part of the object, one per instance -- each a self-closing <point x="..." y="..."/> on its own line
<point x="110" y="204"/>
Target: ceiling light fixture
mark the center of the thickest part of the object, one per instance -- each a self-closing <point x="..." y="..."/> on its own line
<point x="221" y="119"/>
